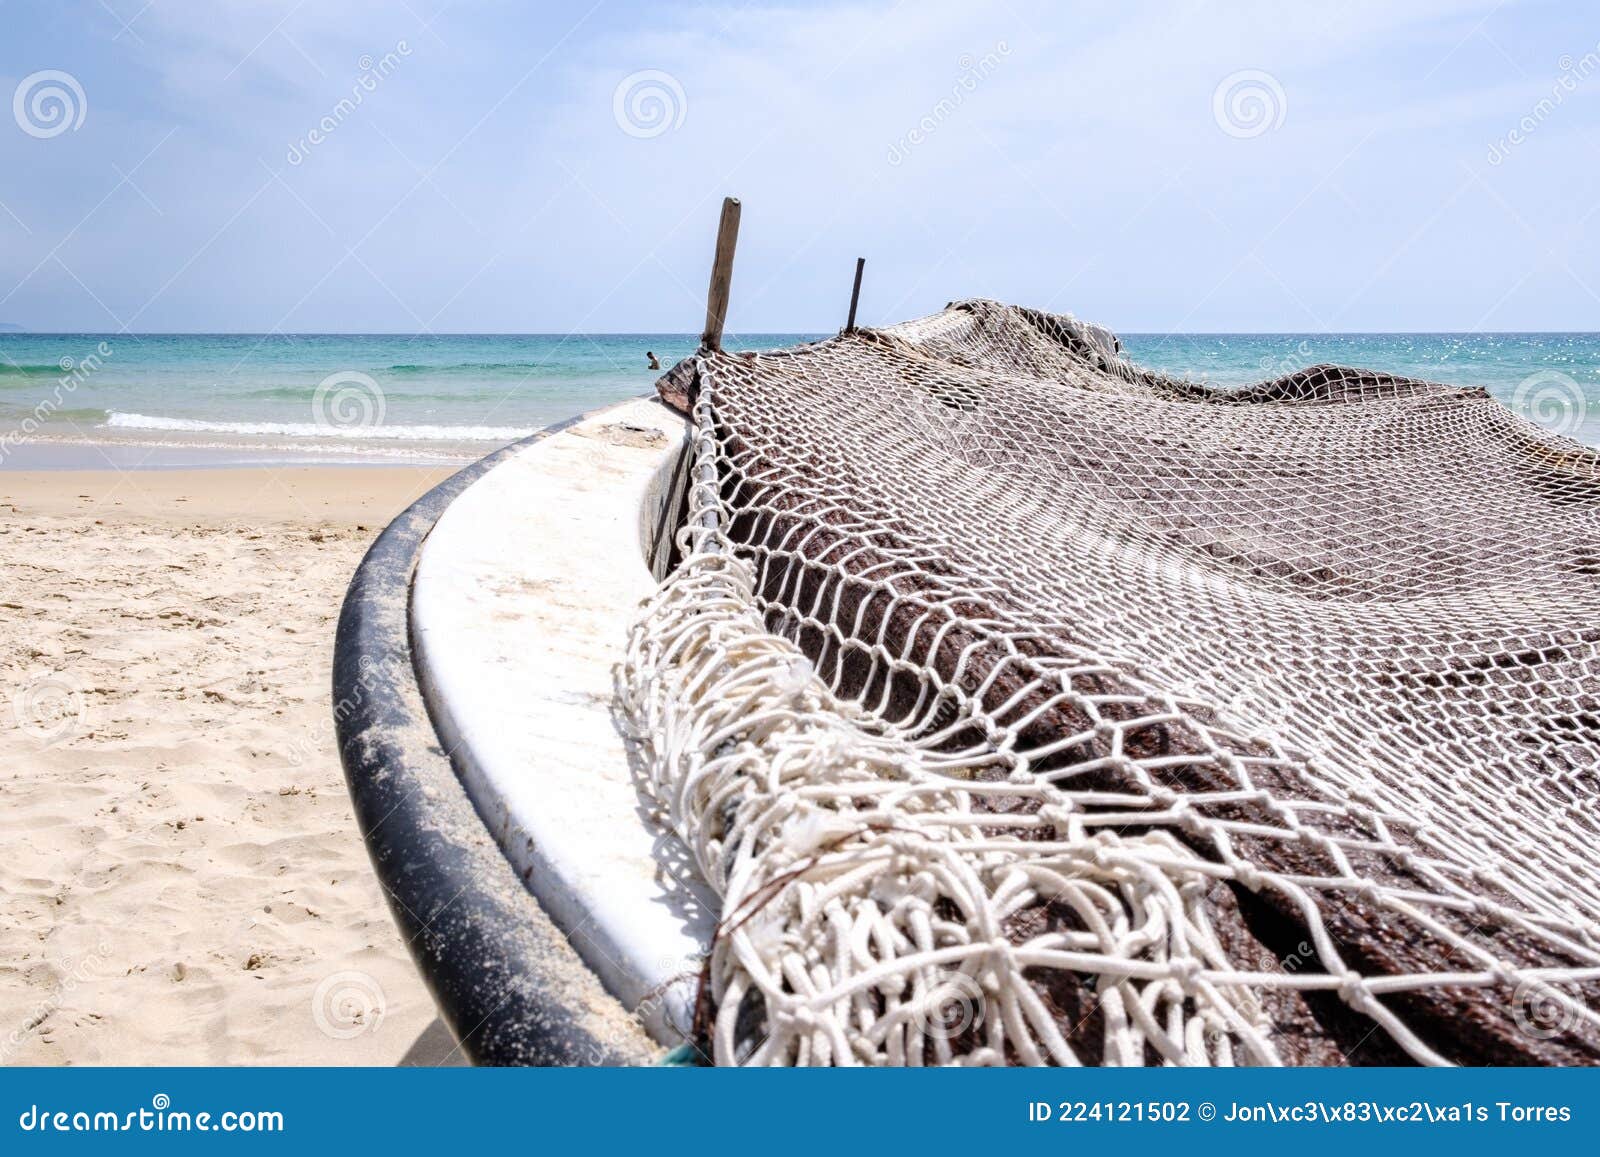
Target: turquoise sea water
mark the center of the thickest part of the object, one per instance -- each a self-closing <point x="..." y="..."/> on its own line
<point x="1549" y="378"/>
<point x="386" y="397"/>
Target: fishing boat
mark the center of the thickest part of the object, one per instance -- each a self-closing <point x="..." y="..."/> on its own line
<point x="958" y="692"/>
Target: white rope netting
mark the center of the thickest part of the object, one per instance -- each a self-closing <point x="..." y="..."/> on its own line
<point x="1024" y="706"/>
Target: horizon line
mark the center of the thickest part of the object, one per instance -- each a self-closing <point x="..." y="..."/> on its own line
<point x="766" y="333"/>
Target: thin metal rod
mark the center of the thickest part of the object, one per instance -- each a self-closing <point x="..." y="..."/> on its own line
<point x="855" y="296"/>
<point x="721" y="274"/>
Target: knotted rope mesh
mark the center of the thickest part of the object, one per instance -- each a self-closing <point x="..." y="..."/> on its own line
<point x="1024" y="706"/>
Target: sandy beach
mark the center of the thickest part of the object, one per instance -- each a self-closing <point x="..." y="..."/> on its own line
<point x="184" y="883"/>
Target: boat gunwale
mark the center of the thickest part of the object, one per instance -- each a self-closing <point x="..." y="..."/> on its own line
<point x="508" y="984"/>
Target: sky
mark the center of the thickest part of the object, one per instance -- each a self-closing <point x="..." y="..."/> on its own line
<point x="438" y="166"/>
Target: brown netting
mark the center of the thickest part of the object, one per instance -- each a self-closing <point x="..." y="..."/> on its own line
<point x="1026" y="706"/>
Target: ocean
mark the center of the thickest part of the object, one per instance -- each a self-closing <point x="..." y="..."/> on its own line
<point x="166" y="399"/>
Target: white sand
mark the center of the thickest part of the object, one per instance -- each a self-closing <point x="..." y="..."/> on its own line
<point x="182" y="877"/>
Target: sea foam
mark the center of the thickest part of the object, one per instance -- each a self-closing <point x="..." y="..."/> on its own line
<point x="121" y="421"/>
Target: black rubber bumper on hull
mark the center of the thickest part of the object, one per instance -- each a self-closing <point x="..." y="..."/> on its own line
<point x="506" y="981"/>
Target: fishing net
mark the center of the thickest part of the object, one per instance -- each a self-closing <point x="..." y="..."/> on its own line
<point x="1025" y="706"/>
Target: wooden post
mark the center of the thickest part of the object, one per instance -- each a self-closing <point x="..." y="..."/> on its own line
<point x="855" y="296"/>
<point x="721" y="274"/>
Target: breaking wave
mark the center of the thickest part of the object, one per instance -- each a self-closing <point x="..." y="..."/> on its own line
<point x="120" y="421"/>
